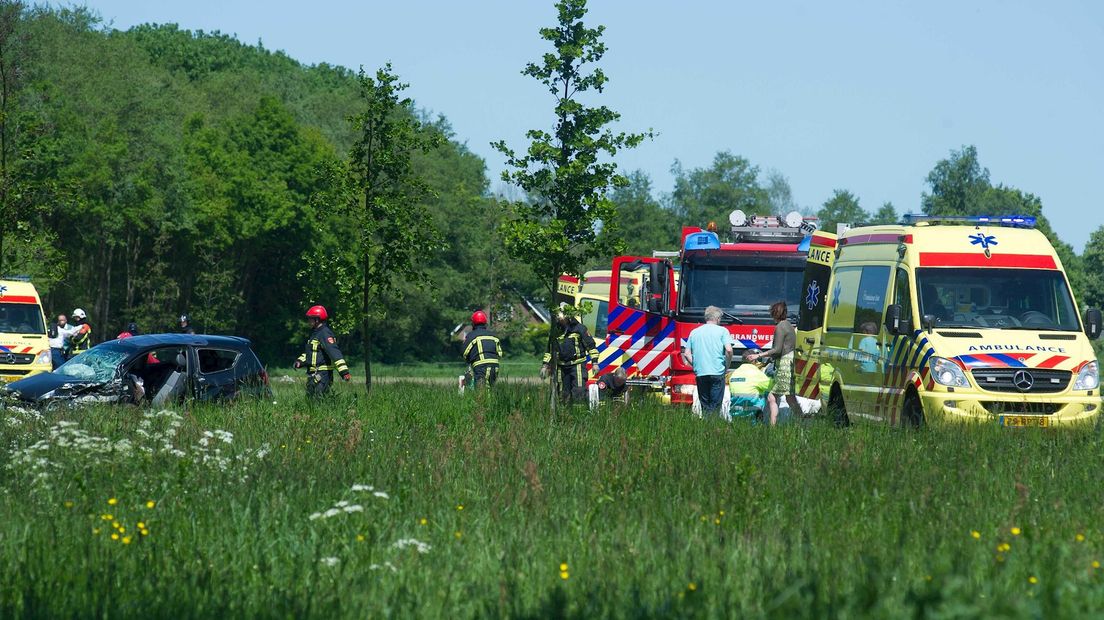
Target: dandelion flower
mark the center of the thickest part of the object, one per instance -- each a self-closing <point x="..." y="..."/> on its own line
<point x="145" y="532"/>
<point x="141" y="525"/>
<point x="423" y="521"/>
<point x="692" y="586"/>
<point x="150" y="504"/>
<point x="1015" y="531"/>
<point x="721" y="513"/>
<point x="115" y="524"/>
<point x="112" y="501"/>
<point x="976" y="534"/>
<point x="458" y="535"/>
<point x="122" y="530"/>
<point x="563" y="567"/>
<point x="716" y="521"/>
<point x="360" y="537"/>
<point x="114" y="536"/>
<point x="1004" y="547"/>
<point x="1032" y="580"/>
<point x="106" y="517"/>
<point x="68" y="504"/>
<point x="1096" y="564"/>
<point x="459" y="506"/>
<point x="1079" y="538"/>
<point x="96" y="531"/>
<point x="564" y="575"/>
<point x="126" y="540"/>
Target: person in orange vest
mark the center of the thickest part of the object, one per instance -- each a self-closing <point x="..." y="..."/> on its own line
<point x="81" y="339"/>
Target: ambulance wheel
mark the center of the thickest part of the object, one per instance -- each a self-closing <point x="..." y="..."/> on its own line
<point x="837" y="410"/>
<point x="912" y="410"/>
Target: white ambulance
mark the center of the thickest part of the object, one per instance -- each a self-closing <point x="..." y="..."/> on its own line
<point x="945" y="319"/>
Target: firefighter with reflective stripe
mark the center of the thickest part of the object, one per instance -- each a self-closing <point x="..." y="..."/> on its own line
<point x="81" y="339"/>
<point x="575" y="349"/>
<point x="482" y="351"/>
<point x="321" y="357"/>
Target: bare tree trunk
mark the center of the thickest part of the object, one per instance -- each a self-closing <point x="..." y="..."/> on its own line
<point x="365" y="325"/>
<point x="554" y="350"/>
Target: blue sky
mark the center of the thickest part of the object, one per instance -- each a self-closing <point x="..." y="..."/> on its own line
<point x="864" y="96"/>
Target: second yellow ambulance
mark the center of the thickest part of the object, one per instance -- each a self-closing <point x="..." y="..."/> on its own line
<point x="945" y="319"/>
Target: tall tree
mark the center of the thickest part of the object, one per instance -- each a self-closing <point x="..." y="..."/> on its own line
<point x="842" y="208"/>
<point x="567" y="172"/>
<point x="643" y="223"/>
<point x="886" y="214"/>
<point x="779" y="194"/>
<point x="702" y="195"/>
<point x="393" y="228"/>
<point x="14" y="207"/>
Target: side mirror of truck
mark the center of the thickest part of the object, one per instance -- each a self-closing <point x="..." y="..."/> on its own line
<point x="1092" y="323"/>
<point x="897" y="323"/>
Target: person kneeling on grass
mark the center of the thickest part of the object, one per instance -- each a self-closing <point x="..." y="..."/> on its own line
<point x="709" y="351"/>
<point x="782" y="350"/>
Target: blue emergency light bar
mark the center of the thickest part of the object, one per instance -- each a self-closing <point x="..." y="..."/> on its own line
<point x="702" y="241"/>
<point x="1015" y="221"/>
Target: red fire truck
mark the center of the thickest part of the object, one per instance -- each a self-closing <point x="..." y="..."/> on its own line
<point x="762" y="262"/>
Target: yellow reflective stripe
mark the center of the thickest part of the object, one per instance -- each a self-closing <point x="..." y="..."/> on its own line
<point x="484" y="363"/>
<point x="341" y="366"/>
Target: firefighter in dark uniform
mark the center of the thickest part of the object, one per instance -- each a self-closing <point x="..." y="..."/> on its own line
<point x="482" y="351"/>
<point x="81" y="339"/>
<point x="186" y="324"/>
<point x="576" y="347"/>
<point x="321" y="357"/>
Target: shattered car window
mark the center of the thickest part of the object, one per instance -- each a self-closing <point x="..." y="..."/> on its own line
<point x="97" y="364"/>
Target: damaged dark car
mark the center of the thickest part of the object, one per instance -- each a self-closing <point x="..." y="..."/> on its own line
<point x="156" y="370"/>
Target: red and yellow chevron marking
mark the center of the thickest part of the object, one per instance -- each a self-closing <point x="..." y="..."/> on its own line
<point x="807" y="377"/>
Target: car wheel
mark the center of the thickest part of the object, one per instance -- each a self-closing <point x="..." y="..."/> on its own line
<point x="837" y="410"/>
<point x="912" y="410"/>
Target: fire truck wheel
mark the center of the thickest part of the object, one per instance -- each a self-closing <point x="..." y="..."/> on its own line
<point x="837" y="410"/>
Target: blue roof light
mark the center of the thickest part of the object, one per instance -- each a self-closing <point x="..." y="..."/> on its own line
<point x="701" y="241"/>
<point x="1014" y="221"/>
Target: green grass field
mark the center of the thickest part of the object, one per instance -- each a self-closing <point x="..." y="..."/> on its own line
<point x="413" y="503"/>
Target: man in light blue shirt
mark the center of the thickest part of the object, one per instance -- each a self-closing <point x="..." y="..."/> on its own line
<point x="709" y="351"/>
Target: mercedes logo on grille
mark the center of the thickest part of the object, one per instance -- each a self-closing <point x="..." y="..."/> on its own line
<point x="1023" y="380"/>
<point x="9" y="358"/>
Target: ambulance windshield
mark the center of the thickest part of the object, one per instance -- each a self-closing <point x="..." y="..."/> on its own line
<point x="1030" y="299"/>
<point x="744" y="288"/>
<point x="21" y="319"/>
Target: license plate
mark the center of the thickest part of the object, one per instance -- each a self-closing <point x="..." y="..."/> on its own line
<point x="1037" y="421"/>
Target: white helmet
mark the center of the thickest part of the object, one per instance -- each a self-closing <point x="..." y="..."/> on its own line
<point x="79" y="314"/>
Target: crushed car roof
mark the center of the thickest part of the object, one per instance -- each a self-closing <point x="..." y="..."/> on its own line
<point x="198" y="340"/>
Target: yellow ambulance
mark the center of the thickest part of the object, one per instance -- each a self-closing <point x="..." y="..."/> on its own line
<point x="24" y="349"/>
<point x="945" y="319"/>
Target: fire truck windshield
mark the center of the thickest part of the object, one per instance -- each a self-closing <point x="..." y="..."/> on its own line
<point x="744" y="287"/>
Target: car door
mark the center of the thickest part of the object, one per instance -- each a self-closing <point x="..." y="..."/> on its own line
<point x="810" y="322"/>
<point x="214" y="372"/>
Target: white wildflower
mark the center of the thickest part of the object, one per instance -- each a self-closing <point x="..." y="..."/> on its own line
<point x="330" y="561"/>
<point x="354" y="508"/>
<point x="418" y="545"/>
<point x="363" y="487"/>
<point x="381" y="495"/>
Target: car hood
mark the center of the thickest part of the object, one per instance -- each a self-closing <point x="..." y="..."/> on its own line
<point x="35" y="387"/>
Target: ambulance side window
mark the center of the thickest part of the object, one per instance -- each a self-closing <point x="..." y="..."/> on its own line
<point x="813" y="291"/>
<point x="902" y="295"/>
<point x="871" y="300"/>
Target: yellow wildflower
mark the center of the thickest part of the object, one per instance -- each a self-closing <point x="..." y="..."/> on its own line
<point x="96" y="531"/>
<point x="716" y="521"/>
<point x="563" y="574"/>
<point x="458" y="535"/>
<point x="721" y="513"/>
<point x="423" y="521"/>
<point x="112" y="501"/>
<point x="150" y="504"/>
<point x="68" y="504"/>
<point x="692" y="586"/>
<point x="1015" y="531"/>
<point x="141" y="525"/>
<point x="976" y="534"/>
<point x="106" y="517"/>
<point x="1032" y="580"/>
<point x="114" y="536"/>
<point x="360" y="537"/>
<point x="115" y="524"/>
<point x="1004" y="547"/>
<point x="1000" y="558"/>
<point x="1096" y="564"/>
<point x="563" y="567"/>
<point x="1079" y="538"/>
<point x="145" y="532"/>
<point x="126" y="540"/>
<point x="122" y="530"/>
<point x="459" y="506"/>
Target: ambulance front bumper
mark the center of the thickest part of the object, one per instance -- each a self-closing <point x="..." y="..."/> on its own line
<point x="1058" y="410"/>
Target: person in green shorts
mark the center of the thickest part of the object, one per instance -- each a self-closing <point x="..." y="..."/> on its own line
<point x="782" y="350"/>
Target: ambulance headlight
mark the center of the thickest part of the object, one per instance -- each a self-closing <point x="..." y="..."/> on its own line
<point x="44" y="358"/>
<point x="946" y="372"/>
<point x="1088" y="378"/>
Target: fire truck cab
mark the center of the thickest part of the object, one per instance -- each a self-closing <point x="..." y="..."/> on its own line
<point x="761" y="262"/>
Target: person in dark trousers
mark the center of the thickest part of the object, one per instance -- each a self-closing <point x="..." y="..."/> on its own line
<point x="81" y="339"/>
<point x="186" y="324"/>
<point x="575" y="348"/>
<point x="58" y="336"/>
<point x="709" y="351"/>
<point x="321" y="357"/>
<point x="482" y="351"/>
